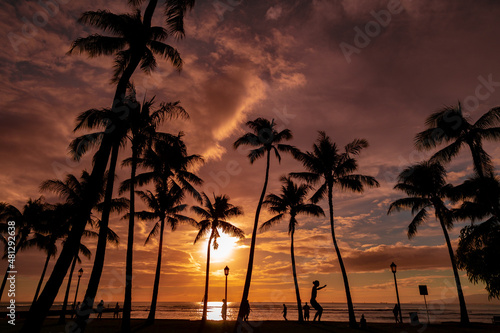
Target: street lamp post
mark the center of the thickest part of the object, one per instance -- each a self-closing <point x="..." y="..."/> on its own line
<point x="393" y="269"/>
<point x="226" y="273"/>
<point x="80" y="273"/>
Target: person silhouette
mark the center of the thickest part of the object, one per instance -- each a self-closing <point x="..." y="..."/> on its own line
<point x="362" y="322"/>
<point x="100" y="309"/>
<point x="315" y="305"/>
<point x="306" y="309"/>
<point x="284" y="311"/>
<point x="116" y="314"/>
<point x="224" y="309"/>
<point x="395" y="311"/>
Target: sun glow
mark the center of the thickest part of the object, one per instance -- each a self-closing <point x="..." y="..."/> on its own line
<point x="227" y="244"/>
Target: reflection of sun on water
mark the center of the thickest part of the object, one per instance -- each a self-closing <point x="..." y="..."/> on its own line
<point x="226" y="246"/>
<point x="214" y="310"/>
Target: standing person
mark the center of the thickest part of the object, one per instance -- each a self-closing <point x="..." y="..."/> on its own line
<point x="224" y="309"/>
<point x="396" y="313"/>
<point x="116" y="314"/>
<point x="100" y="309"/>
<point x="314" y="293"/>
<point x="306" y="309"/>
<point x="284" y="311"/>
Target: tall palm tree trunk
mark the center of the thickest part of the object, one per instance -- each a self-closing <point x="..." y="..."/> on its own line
<point x="350" y="307"/>
<point x="62" y="317"/>
<point x="127" y="303"/>
<point x="464" y="317"/>
<point x="41" y="278"/>
<point x="248" y="279"/>
<point x="95" y="276"/>
<point x="207" y="276"/>
<point x="156" y="286"/>
<point x="297" y="292"/>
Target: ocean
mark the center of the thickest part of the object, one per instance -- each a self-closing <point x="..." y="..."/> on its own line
<point x="260" y="311"/>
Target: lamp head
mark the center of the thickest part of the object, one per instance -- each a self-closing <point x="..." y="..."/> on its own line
<point x="80" y="272"/>
<point x="393" y="267"/>
<point x="226" y="271"/>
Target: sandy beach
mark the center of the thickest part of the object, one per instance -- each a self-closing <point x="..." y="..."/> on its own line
<point x="166" y="325"/>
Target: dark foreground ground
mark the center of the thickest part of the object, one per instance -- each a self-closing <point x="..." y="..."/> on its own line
<point x="181" y="326"/>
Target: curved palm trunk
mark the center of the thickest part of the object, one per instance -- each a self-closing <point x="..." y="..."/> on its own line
<point x="41" y="278"/>
<point x="62" y="317"/>
<point x="88" y="302"/>
<point x="297" y="292"/>
<point x="350" y="307"/>
<point x="464" y="317"/>
<point x="127" y="303"/>
<point x="248" y="279"/>
<point x="207" y="276"/>
<point x="152" y="310"/>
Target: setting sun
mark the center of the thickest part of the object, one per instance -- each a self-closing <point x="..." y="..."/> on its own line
<point x="227" y="244"/>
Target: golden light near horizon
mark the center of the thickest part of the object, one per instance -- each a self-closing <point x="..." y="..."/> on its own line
<point x="227" y="245"/>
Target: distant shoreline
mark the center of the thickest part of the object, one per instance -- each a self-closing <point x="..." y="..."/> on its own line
<point x="182" y="326"/>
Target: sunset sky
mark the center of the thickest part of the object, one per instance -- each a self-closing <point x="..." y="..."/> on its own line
<point x="285" y="60"/>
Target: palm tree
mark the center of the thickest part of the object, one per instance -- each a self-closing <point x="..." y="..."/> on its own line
<point x="166" y="207"/>
<point x="143" y="121"/>
<point x="74" y="190"/>
<point x="449" y="125"/>
<point x="214" y="217"/>
<point x="291" y="202"/>
<point x="478" y="245"/>
<point x="143" y="42"/>
<point x="32" y="215"/>
<point x="426" y="187"/>
<point x="266" y="137"/>
<point x="174" y="13"/>
<point x="169" y="163"/>
<point x="325" y="164"/>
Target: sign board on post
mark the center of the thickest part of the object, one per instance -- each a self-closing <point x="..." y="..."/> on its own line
<point x="423" y="291"/>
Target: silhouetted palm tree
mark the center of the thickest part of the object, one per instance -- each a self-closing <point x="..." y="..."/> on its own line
<point x="214" y="217"/>
<point x="291" y="201"/>
<point x="451" y="126"/>
<point x="73" y="191"/>
<point x="169" y="164"/>
<point x="168" y="161"/>
<point x="426" y="187"/>
<point x="325" y="164"/>
<point x="267" y="139"/>
<point x="33" y="214"/>
<point x="143" y="42"/>
<point x="143" y="122"/>
<point x="479" y="242"/>
<point x="166" y="206"/>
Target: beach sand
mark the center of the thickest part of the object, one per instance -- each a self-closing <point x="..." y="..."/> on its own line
<point x="166" y="325"/>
